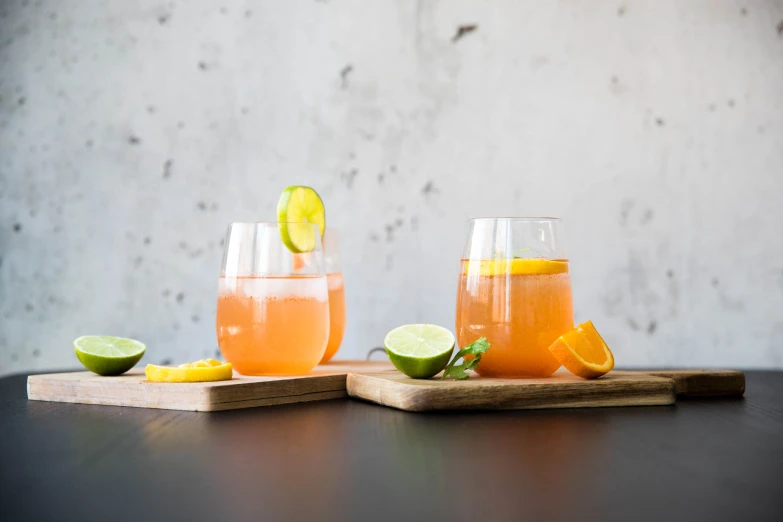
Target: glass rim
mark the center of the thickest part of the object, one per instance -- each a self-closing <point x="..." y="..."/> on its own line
<point x="515" y="218"/>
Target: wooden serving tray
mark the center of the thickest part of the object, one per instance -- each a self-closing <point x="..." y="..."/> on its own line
<point x="379" y="382"/>
<point x="132" y="389"/>
<point x="562" y="390"/>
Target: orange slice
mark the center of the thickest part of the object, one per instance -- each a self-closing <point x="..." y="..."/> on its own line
<point x="583" y="352"/>
<point x="495" y="267"/>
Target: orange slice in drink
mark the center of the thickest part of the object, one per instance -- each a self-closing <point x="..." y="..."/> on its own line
<point x="495" y="267"/>
<point x="583" y="352"/>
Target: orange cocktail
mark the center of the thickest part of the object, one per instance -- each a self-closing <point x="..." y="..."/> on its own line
<point x="514" y="289"/>
<point x="334" y="274"/>
<point x="273" y="303"/>
<point x="521" y="306"/>
<point x="336" y="314"/>
<point x="273" y="325"/>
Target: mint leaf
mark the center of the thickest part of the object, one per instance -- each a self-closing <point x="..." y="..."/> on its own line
<point x="500" y="254"/>
<point x="459" y="371"/>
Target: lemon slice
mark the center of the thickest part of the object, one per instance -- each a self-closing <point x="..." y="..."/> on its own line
<point x="205" y="370"/>
<point x="492" y="267"/>
<point x="299" y="204"/>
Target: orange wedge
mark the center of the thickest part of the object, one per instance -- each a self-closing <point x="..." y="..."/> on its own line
<point x="583" y="352"/>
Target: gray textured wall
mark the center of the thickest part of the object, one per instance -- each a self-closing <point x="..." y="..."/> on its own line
<point x="131" y="133"/>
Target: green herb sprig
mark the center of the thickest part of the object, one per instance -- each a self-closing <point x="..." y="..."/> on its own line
<point x="498" y="254"/>
<point x="459" y="371"/>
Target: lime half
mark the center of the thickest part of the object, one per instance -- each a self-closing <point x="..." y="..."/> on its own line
<point x="298" y="204"/>
<point x="106" y="355"/>
<point x="419" y="350"/>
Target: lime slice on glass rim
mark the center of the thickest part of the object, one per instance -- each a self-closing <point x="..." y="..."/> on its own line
<point x="419" y="350"/>
<point x="299" y="204"/>
<point x="107" y="355"/>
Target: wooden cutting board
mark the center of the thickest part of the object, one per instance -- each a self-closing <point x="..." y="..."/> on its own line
<point x="562" y="390"/>
<point x="132" y="389"/>
<point x="379" y="382"/>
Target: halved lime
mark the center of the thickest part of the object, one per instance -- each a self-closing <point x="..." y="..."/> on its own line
<point x="106" y="355"/>
<point x="419" y="350"/>
<point x="299" y="204"/>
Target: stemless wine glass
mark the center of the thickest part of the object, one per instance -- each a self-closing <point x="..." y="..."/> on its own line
<point x="273" y="305"/>
<point x="514" y="289"/>
<point x="334" y="276"/>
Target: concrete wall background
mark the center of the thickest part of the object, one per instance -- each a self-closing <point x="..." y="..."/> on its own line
<point x="131" y="133"/>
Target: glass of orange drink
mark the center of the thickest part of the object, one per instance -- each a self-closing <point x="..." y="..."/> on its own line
<point x="334" y="277"/>
<point x="273" y="304"/>
<point x="514" y="289"/>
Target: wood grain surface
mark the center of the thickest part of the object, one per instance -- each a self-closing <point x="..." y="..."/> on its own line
<point x="705" y="383"/>
<point x="559" y="391"/>
<point x="379" y="382"/>
<point x="132" y="389"/>
<point x="618" y="388"/>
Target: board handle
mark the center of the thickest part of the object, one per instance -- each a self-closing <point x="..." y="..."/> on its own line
<point x="705" y="383"/>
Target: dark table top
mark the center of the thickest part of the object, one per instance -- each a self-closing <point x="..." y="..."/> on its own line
<point x="716" y="459"/>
